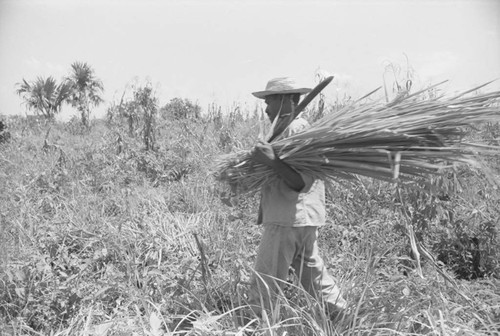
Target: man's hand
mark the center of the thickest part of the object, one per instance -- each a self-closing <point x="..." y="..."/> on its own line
<point x="264" y="153"/>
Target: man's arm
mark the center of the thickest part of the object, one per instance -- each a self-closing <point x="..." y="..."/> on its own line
<point x="264" y="153"/>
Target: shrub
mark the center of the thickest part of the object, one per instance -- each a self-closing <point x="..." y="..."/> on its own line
<point x="179" y="108"/>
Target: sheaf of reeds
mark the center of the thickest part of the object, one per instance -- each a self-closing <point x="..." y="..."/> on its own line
<point x="398" y="141"/>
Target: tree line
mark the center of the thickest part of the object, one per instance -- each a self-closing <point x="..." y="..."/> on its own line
<point x="83" y="90"/>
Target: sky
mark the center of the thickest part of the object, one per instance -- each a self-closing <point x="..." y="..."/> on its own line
<point x="218" y="52"/>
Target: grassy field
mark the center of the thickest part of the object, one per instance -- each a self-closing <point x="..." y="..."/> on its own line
<point x="100" y="237"/>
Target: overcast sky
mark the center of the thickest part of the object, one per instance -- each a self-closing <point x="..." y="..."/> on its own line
<point x="221" y="51"/>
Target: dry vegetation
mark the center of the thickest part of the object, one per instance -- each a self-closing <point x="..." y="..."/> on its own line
<point x="101" y="237"/>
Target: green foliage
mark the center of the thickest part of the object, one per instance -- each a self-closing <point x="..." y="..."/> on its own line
<point x="44" y="95"/>
<point x="86" y="89"/>
<point x="100" y="236"/>
<point x="179" y="108"/>
<point x="144" y="98"/>
<point x="139" y="114"/>
<point x="81" y="89"/>
<point x="461" y="236"/>
<point x="4" y="133"/>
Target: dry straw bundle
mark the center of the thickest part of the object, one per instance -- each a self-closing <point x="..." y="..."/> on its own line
<point x="407" y="138"/>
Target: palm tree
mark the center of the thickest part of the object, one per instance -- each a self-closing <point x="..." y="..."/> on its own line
<point x="86" y="89"/>
<point x="44" y="95"/>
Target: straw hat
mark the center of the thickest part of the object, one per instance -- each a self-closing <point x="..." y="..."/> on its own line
<point x="281" y="85"/>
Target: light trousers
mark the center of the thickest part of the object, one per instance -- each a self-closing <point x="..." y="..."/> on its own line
<point x="282" y="247"/>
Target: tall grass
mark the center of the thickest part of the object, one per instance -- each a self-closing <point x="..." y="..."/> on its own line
<point x="142" y="243"/>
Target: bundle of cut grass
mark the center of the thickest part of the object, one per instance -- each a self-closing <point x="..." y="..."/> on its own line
<point x="407" y="138"/>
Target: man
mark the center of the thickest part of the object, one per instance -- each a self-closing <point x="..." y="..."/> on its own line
<point x="291" y="211"/>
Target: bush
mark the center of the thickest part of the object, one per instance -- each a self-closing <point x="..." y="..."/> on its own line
<point x="179" y="108"/>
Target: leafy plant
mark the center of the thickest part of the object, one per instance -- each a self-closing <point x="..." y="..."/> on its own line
<point x="86" y="89"/>
<point x="44" y="95"/>
<point x="179" y="108"/>
<point x="145" y="100"/>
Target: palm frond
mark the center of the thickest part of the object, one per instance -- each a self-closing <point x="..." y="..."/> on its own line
<point x="87" y="89"/>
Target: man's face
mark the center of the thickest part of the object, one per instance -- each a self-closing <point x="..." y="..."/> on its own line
<point x="277" y="103"/>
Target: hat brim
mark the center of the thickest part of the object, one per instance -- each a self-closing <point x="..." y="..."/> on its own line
<point x="264" y="94"/>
